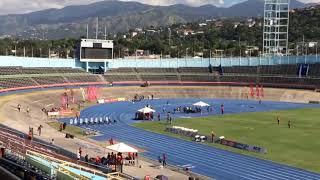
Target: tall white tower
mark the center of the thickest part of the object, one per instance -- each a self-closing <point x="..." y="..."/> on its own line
<point x="276" y="27"/>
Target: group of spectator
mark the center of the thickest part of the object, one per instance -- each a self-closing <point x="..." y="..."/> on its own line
<point x="145" y="84"/>
<point x="163" y="159"/>
<point x="19" y="108"/>
<point x="112" y="159"/>
<point x="138" y="98"/>
<point x="62" y="126"/>
<point x="54" y="109"/>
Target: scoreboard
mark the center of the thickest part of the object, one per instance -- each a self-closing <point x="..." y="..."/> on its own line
<point x="95" y="49"/>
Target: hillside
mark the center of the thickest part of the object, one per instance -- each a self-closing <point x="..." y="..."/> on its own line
<point x="117" y="16"/>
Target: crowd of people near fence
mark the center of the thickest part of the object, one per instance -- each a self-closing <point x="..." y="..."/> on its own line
<point x="112" y="160"/>
<point x="193" y="109"/>
<point x="140" y="97"/>
<point x="54" y="109"/>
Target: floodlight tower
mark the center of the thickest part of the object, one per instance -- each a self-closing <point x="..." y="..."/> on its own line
<point x="276" y="27"/>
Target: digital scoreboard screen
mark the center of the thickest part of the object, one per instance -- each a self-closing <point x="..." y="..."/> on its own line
<point x="96" y="53"/>
<point x="95" y="49"/>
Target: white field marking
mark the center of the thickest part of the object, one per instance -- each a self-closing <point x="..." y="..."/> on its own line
<point x="49" y="105"/>
<point x="35" y="101"/>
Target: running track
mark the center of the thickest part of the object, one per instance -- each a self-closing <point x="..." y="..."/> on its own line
<point x="208" y="161"/>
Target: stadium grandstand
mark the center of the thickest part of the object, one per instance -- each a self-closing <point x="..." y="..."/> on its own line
<point x="44" y="161"/>
<point x="35" y="159"/>
<point x="284" y="75"/>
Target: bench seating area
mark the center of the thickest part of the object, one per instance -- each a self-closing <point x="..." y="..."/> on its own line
<point x="194" y="70"/>
<point x="156" y="70"/>
<point x="314" y="70"/>
<point x="240" y="70"/>
<point x="117" y="78"/>
<point x="50" y="80"/>
<point x="291" y="70"/>
<point x="276" y="74"/>
<point x="160" y="77"/>
<point x="16" y="70"/>
<point x="16" y="82"/>
<point x="10" y="70"/>
<point x="82" y="79"/>
<point x="122" y="70"/>
<point x="200" y="78"/>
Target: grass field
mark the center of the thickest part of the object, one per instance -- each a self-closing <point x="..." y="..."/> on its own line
<point x="74" y="130"/>
<point x="298" y="146"/>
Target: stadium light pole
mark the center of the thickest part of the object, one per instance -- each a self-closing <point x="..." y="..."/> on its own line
<point x="317" y="52"/>
<point x="210" y="57"/>
<point x="239" y="50"/>
<point x="87" y="31"/>
<point x="97" y="28"/>
<point x="316" y="46"/>
<point x="105" y="32"/>
<point x="185" y="58"/>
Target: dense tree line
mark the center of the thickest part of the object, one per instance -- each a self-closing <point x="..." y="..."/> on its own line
<point x="63" y="48"/>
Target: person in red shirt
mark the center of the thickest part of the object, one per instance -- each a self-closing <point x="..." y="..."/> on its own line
<point x="80" y="152"/>
<point x="111" y="141"/>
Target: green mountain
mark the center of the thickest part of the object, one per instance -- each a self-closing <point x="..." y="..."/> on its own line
<point x="116" y="16"/>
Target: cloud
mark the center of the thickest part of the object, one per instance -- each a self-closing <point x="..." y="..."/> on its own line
<point x="25" y="6"/>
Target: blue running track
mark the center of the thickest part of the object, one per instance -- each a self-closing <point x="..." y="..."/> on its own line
<point x="207" y="160"/>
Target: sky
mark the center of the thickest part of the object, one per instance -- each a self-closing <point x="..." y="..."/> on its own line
<point x="25" y="6"/>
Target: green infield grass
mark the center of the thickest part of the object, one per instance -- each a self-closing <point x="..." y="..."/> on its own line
<point x="298" y="146"/>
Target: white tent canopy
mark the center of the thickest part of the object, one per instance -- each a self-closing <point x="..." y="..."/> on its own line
<point x="122" y="148"/>
<point x="146" y="110"/>
<point x="201" y="104"/>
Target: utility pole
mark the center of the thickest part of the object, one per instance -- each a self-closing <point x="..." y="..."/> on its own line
<point x="87" y="31"/>
<point x="304" y="49"/>
<point x="97" y="28"/>
<point x="317" y="52"/>
<point x="169" y="36"/>
<point x="169" y="41"/>
<point x="105" y="32"/>
<point x="239" y="50"/>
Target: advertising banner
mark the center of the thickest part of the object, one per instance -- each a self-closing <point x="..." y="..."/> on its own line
<point x="243" y="146"/>
<point x="53" y="113"/>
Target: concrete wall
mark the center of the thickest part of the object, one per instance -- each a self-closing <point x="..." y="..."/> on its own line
<point x="37" y="62"/>
<point x="204" y="62"/>
<point x="157" y="63"/>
